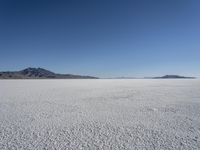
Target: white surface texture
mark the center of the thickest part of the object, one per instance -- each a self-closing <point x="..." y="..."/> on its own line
<point x="100" y="114"/>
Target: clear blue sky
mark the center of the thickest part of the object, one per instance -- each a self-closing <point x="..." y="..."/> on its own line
<point x="105" y="38"/>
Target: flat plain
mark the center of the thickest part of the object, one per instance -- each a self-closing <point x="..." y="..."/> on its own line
<point x="100" y="114"/>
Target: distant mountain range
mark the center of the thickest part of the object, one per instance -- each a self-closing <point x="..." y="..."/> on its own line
<point x="173" y="77"/>
<point x="39" y="73"/>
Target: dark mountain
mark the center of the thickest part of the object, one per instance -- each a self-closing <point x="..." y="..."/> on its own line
<point x="39" y="73"/>
<point x="173" y="77"/>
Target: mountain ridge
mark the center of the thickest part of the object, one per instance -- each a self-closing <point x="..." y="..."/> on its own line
<point x="39" y="73"/>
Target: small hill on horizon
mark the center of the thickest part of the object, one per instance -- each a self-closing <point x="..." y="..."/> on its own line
<point x="173" y="77"/>
<point x="39" y="73"/>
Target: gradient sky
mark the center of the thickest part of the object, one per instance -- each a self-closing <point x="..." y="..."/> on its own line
<point x="105" y="38"/>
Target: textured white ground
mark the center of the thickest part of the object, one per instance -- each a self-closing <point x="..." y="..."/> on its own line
<point x="99" y="114"/>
